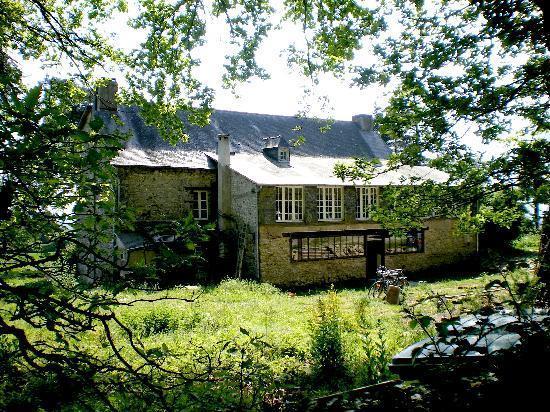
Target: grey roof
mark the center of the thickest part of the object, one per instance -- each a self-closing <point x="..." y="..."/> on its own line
<point x="314" y="170"/>
<point x="275" y="142"/>
<point x="130" y="240"/>
<point x="322" y="138"/>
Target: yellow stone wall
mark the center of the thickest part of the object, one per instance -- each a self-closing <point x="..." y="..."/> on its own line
<point x="164" y="193"/>
<point x="442" y="246"/>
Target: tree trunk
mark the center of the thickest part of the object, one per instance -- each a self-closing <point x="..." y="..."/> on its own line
<point x="543" y="270"/>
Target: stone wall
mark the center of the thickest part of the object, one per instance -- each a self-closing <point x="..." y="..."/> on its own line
<point x="164" y="193"/>
<point x="266" y="201"/>
<point x="442" y="246"/>
<point x="244" y="208"/>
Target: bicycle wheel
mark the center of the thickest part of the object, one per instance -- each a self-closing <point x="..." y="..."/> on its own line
<point x="377" y="288"/>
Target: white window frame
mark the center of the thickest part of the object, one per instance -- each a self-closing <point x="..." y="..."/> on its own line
<point x="289" y="203"/>
<point x="330" y="203"/>
<point x="283" y="155"/>
<point x="200" y="212"/>
<point x="367" y="197"/>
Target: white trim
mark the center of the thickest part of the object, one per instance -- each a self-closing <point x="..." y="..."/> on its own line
<point x="200" y="212"/>
<point x="365" y="198"/>
<point x="289" y="208"/>
<point x="330" y="201"/>
<point x="284" y="155"/>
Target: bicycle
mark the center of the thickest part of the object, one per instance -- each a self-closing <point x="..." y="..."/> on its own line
<point x="385" y="278"/>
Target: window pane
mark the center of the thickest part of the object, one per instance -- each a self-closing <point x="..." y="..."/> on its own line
<point x="200" y="204"/>
<point x="327" y="247"/>
<point x="288" y="203"/>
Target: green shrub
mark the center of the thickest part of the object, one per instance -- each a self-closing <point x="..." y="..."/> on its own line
<point x="327" y="345"/>
<point x="529" y="243"/>
<point x="152" y="321"/>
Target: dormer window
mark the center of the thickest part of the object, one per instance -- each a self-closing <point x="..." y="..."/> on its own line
<point x="277" y="149"/>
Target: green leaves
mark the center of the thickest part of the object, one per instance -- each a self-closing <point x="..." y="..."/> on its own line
<point x="423" y="321"/>
<point x="31" y="99"/>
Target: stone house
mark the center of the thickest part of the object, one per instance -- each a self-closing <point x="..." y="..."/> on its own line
<point x="297" y="222"/>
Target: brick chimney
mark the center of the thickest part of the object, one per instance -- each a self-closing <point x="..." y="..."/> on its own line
<point x="105" y="98"/>
<point x="364" y="121"/>
<point x="224" y="181"/>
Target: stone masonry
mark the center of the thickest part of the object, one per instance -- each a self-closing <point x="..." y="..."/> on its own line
<point x="158" y="194"/>
<point x="244" y="208"/>
<point x="442" y="245"/>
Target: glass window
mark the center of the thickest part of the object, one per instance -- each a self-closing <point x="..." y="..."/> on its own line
<point x="283" y="155"/>
<point x="411" y="241"/>
<point x="329" y="203"/>
<point x="366" y="199"/>
<point x="200" y="204"/>
<point x="327" y="247"/>
<point x="289" y="203"/>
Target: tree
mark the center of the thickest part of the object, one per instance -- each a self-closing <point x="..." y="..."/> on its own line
<point x="57" y="205"/>
<point x="452" y="65"/>
<point x="452" y="68"/>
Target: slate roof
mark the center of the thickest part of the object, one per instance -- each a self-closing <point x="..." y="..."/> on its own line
<point x="275" y="142"/>
<point x="343" y="139"/>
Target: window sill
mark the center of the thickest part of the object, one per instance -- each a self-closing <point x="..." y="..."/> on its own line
<point x="289" y="221"/>
<point x="330" y="220"/>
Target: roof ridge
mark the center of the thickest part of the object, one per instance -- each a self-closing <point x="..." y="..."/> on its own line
<point x="282" y="115"/>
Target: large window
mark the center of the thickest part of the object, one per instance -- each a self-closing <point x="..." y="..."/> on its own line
<point x="329" y="203"/>
<point x="411" y="241"/>
<point x="327" y="247"/>
<point x="289" y="203"/>
<point x="366" y="199"/>
<point x="200" y="204"/>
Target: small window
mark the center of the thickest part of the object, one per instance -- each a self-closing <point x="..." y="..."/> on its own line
<point x="327" y="247"/>
<point x="411" y="241"/>
<point x="200" y="204"/>
<point x="366" y="200"/>
<point x="289" y="203"/>
<point x="329" y="203"/>
<point x="283" y="155"/>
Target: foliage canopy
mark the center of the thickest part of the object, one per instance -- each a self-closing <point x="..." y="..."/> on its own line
<point x="450" y="66"/>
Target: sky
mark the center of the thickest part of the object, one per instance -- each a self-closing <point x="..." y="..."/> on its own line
<point x="283" y="93"/>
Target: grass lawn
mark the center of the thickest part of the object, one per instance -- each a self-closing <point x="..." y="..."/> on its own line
<point x="227" y="315"/>
<point x="284" y="320"/>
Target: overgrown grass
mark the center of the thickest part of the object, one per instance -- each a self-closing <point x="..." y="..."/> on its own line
<point x="528" y="243"/>
<point x="371" y="331"/>
<point x="283" y="320"/>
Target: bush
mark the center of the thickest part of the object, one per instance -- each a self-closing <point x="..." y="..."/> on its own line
<point x="152" y="321"/>
<point x="327" y="346"/>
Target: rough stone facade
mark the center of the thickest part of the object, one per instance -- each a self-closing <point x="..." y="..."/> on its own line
<point x="442" y="244"/>
<point x="244" y="208"/>
<point x="166" y="194"/>
<point x="158" y="194"/>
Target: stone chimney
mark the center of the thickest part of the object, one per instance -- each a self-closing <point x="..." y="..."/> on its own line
<point x="224" y="181"/>
<point x="364" y="121"/>
<point x="105" y="98"/>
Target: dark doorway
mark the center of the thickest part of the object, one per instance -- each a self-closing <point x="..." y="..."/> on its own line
<point x="375" y="255"/>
